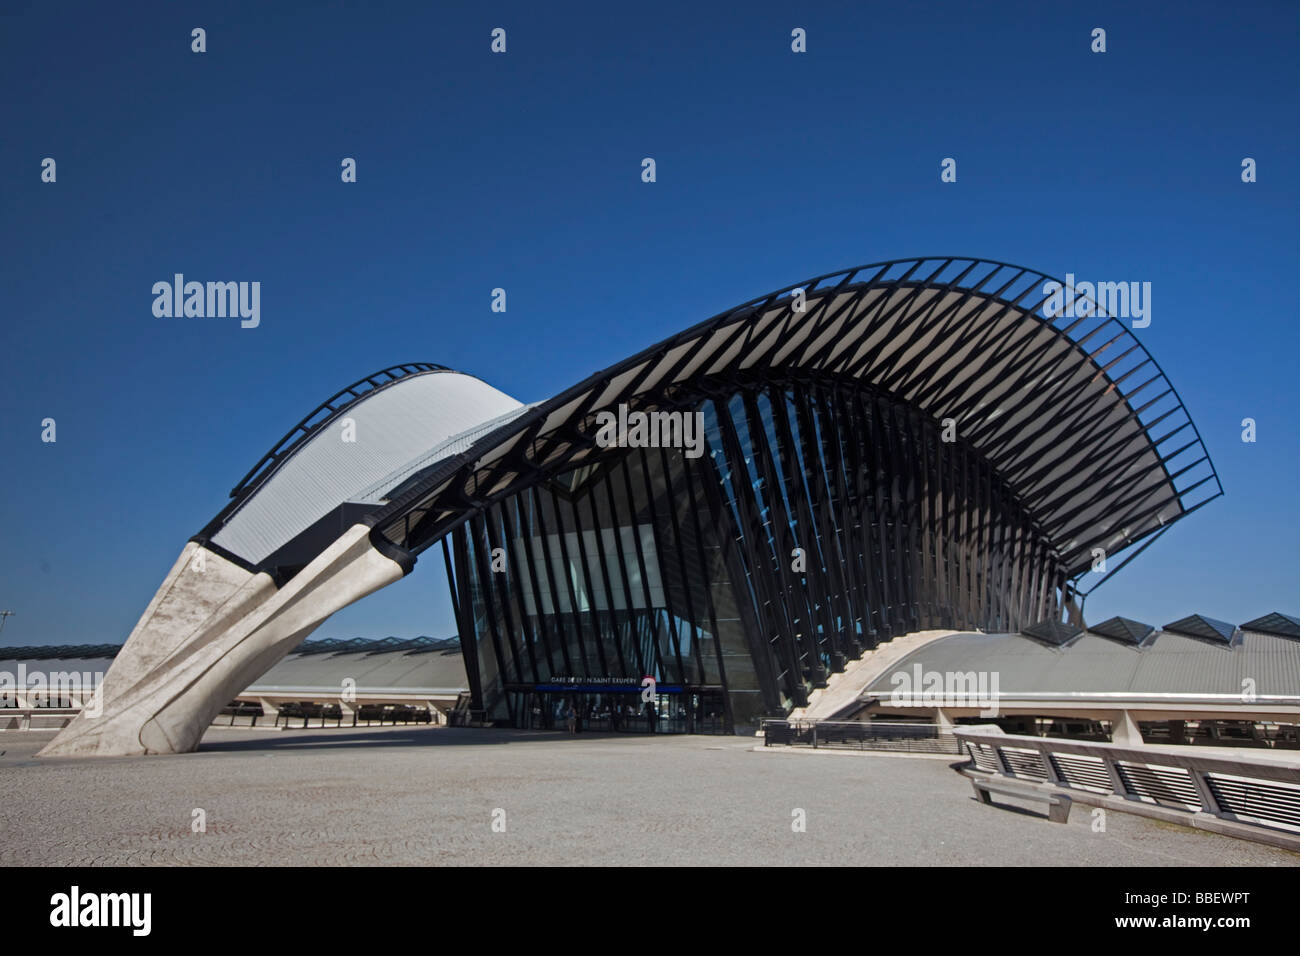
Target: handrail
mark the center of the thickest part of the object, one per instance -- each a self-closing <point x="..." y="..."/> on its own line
<point x="1252" y="793"/>
<point x="868" y="735"/>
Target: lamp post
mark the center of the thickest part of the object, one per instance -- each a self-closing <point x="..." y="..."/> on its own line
<point x="3" y="615"/>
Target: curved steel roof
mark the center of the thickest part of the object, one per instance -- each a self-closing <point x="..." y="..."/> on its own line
<point x="409" y="416"/>
<point x="1074" y="413"/>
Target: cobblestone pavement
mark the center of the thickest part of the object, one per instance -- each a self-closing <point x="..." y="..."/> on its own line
<point x="427" y="796"/>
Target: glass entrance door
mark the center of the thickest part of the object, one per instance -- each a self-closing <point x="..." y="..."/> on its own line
<point x="684" y="711"/>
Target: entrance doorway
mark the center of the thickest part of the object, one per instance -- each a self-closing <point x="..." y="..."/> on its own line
<point x="601" y="709"/>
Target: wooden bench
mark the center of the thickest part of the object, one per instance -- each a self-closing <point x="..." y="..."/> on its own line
<point x="1058" y="810"/>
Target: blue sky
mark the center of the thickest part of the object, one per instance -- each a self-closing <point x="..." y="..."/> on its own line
<point x="522" y="171"/>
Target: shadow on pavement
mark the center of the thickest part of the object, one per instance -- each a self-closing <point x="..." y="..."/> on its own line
<point x="329" y="738"/>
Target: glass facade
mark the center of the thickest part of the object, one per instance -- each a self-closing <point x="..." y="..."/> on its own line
<point x="821" y="519"/>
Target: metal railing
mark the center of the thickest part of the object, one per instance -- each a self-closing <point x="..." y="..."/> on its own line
<point x="242" y="708"/>
<point x="1251" y="793"/>
<point x="861" y="735"/>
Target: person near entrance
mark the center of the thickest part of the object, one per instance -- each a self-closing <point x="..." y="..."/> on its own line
<point x="571" y="718"/>
<point x="652" y="716"/>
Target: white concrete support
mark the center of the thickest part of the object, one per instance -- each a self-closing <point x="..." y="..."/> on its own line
<point x="1124" y="730"/>
<point x="211" y="630"/>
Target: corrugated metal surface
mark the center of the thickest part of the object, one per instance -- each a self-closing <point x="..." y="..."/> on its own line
<point x="441" y="672"/>
<point x="377" y="491"/>
<point x="393" y="426"/>
<point x="1168" y="664"/>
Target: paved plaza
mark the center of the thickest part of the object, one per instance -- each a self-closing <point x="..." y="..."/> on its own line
<point x="425" y="796"/>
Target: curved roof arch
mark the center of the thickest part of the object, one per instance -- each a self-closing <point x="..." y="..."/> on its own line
<point x="398" y="419"/>
<point x="1073" y="411"/>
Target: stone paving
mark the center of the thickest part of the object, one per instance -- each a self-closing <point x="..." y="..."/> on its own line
<point x="427" y="796"/>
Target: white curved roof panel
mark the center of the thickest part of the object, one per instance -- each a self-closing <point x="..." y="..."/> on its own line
<point x="349" y="457"/>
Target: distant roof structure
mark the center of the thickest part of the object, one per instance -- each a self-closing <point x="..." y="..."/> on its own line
<point x="1207" y="628"/>
<point x="1123" y="629"/>
<point x="60" y="652"/>
<point x="400" y="666"/>
<point x="1171" y="666"/>
<point x="1278" y="623"/>
<point x="361" y="645"/>
<point x="422" y="665"/>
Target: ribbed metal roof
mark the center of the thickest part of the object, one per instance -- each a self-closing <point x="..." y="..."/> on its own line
<point x="1072" y="412"/>
<point x="416" y="419"/>
<point x="438" y="671"/>
<point x="314" y="670"/>
<point x="1168" y="664"/>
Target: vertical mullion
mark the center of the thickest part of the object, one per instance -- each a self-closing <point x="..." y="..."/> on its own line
<point x="964" y="535"/>
<point x="568" y="569"/>
<point x="651" y="611"/>
<point x="854" y="516"/>
<point x="736" y="556"/>
<point x="532" y="640"/>
<point x="868" y="477"/>
<point x="820" y="583"/>
<point x="589" y="582"/>
<point x="827" y="591"/>
<point x="622" y="568"/>
<point x="796" y="593"/>
<point x="693" y="505"/>
<point x="908" y="421"/>
<point x="669" y="615"/>
<point x="504" y="592"/>
<point x="780" y="586"/>
<point x="526" y="535"/>
<point x="694" y="622"/>
<point x="778" y="633"/>
<point x="558" y="616"/>
<point x="463" y="607"/>
<point x="837" y="563"/>
<point x="597" y="533"/>
<point x="486" y="590"/>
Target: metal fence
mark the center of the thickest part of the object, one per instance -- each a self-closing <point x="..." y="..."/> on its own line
<point x="1245" y="790"/>
<point x="861" y="735"/>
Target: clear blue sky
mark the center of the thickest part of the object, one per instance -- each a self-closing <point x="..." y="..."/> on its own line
<point x="523" y="171"/>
